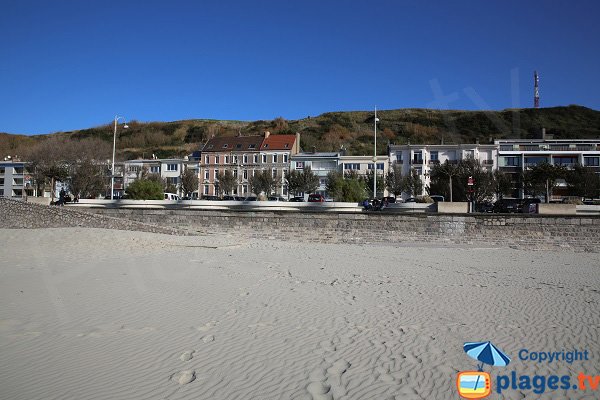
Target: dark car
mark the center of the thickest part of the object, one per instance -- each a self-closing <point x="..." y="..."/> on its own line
<point x="389" y="199"/>
<point x="529" y="206"/>
<point x="229" y="198"/>
<point x="316" y="198"/>
<point x="484" y="207"/>
<point x="276" y="198"/>
<point x="212" y="198"/>
<point x="251" y="198"/>
<point x="507" y="206"/>
<point x="437" y="198"/>
<point x="297" y="199"/>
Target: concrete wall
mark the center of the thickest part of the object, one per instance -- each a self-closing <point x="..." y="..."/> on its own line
<point x="520" y="231"/>
<point x="557" y="209"/>
<point x="446" y="207"/>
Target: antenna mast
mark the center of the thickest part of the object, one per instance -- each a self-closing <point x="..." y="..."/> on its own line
<point x="536" y="90"/>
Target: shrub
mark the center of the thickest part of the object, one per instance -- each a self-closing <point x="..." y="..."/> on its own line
<point x="145" y="189"/>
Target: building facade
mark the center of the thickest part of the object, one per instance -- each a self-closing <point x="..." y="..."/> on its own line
<point x="15" y="179"/>
<point x="244" y="156"/>
<point x="320" y="164"/>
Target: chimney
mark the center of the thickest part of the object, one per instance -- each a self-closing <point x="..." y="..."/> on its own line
<point x="298" y="141"/>
<point x="267" y="133"/>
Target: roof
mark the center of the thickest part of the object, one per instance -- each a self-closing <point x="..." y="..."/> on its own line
<point x="278" y="142"/>
<point x="233" y="143"/>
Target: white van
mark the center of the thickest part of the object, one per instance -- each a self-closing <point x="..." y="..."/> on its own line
<point x="171" y="196"/>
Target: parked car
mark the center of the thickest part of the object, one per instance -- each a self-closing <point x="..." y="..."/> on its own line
<point x="528" y="206"/>
<point x="212" y="198"/>
<point x="171" y="196"/>
<point x="410" y="200"/>
<point x="229" y="198"/>
<point x="251" y="198"/>
<point x="276" y="198"/>
<point x="316" y="198"/>
<point x="390" y="199"/>
<point x="437" y="198"/>
<point x="297" y="199"/>
<point x="484" y="207"/>
<point x="507" y="206"/>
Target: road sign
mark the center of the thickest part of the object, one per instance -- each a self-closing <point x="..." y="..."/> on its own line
<point x="470" y="181"/>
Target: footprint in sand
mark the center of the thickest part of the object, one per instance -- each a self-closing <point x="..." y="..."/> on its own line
<point x="208" y="339"/>
<point x="187" y="356"/>
<point x="319" y="391"/>
<point x="207" y="326"/>
<point x="185" y="377"/>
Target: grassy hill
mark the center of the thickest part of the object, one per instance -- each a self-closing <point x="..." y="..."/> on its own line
<point x="330" y="131"/>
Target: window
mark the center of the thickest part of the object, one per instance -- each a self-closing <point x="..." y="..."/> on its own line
<point x="133" y="168"/>
<point x="286" y="146"/>
<point x="225" y="146"/>
<point x="206" y="174"/>
<point x="155" y="169"/>
<point x="323" y="181"/>
<point x="535" y="160"/>
<point x="353" y="166"/>
<point x="245" y="159"/>
<point x="299" y="165"/>
<point x="216" y="173"/>
<point x="379" y="166"/>
<point x="205" y="189"/>
<point x="245" y="189"/>
<point x="434" y="156"/>
<point x="513" y="161"/>
<point x="274" y="172"/>
<point x="210" y="146"/>
<point x="418" y="171"/>
<point x="217" y="159"/>
<point x="206" y="159"/>
<point x="399" y="158"/>
<point x="285" y="158"/>
<point x="565" y="160"/>
<point x="238" y="146"/>
<point x="252" y="146"/>
<point x="235" y="173"/>
<point x="234" y="159"/>
<point x="171" y="167"/>
<point x="266" y="145"/>
<point x="226" y="159"/>
<point x="591" y="161"/>
<point x="172" y="180"/>
<point x="418" y="157"/>
<point x="245" y="174"/>
<point x="274" y="158"/>
<point x="264" y="158"/>
<point x="256" y="159"/>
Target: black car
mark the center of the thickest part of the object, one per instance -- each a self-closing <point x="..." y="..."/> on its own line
<point x="507" y="206"/>
<point x="297" y="199"/>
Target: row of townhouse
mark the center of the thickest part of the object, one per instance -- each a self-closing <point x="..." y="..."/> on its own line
<point x="245" y="155"/>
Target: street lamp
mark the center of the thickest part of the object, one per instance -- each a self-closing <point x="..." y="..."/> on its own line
<point x="375" y="157"/>
<point x="112" y="171"/>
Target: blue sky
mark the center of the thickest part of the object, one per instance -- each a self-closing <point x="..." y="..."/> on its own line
<point x="69" y="65"/>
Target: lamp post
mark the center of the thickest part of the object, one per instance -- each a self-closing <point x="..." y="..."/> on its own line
<point x="112" y="171"/>
<point x="375" y="157"/>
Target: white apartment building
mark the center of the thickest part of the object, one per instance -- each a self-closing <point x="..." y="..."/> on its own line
<point x="421" y="158"/>
<point x="15" y="179"/>
<point x="169" y="169"/>
<point x="364" y="164"/>
<point x="320" y="164"/>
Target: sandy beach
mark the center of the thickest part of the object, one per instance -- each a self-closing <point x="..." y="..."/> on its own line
<point x="101" y="314"/>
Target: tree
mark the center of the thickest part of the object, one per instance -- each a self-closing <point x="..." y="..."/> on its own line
<point x="393" y="180"/>
<point x="227" y="181"/>
<point x="542" y="178"/>
<point x="583" y="182"/>
<point x="294" y="182"/>
<point x="502" y="184"/>
<point x="310" y="181"/>
<point x="264" y="182"/>
<point x="189" y="181"/>
<point x="335" y="185"/>
<point x="483" y="181"/>
<point x="145" y="189"/>
<point x="368" y="181"/>
<point x="444" y="173"/>
<point x="86" y="179"/>
<point x="412" y="184"/>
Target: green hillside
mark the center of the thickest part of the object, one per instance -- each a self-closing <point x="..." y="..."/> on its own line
<point x="330" y="131"/>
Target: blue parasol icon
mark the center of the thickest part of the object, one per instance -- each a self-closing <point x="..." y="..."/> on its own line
<point x="487" y="353"/>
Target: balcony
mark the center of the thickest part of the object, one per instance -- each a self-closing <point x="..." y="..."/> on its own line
<point x="510" y="168"/>
<point x="434" y="162"/>
<point x="417" y="162"/>
<point x="488" y="162"/>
